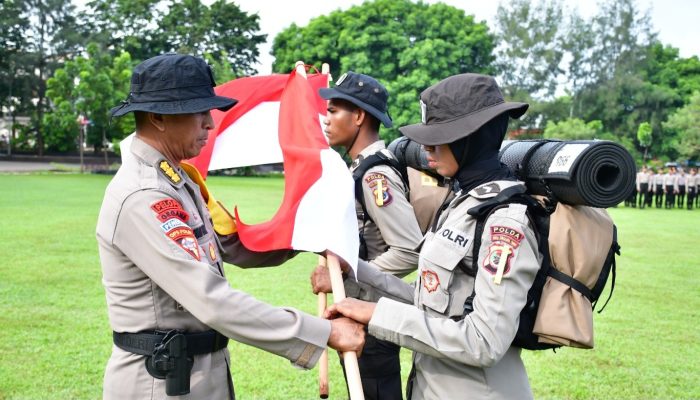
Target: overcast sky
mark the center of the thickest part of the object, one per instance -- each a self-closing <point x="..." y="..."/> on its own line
<point x="676" y="21"/>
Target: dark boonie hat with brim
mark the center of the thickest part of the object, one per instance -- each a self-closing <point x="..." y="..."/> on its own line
<point x="362" y="91"/>
<point x="458" y="106"/>
<point x="173" y="84"/>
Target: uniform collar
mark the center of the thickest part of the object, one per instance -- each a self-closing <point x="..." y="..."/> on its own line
<point x="367" y="151"/>
<point x="150" y="156"/>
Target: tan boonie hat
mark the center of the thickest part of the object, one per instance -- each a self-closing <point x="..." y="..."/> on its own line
<point x="458" y="106"/>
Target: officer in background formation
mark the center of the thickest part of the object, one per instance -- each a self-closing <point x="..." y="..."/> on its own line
<point x="643" y="178"/>
<point x="659" y="187"/>
<point x="460" y="351"/>
<point x="693" y="183"/>
<point x="681" y="184"/>
<point x="163" y="240"/>
<point x="670" y="187"/>
<point x="387" y="224"/>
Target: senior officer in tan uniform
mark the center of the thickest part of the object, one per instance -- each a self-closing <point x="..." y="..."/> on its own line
<point x="170" y="306"/>
<point x="460" y="351"/>
<point x="388" y="229"/>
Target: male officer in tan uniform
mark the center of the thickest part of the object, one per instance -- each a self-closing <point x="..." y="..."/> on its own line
<point x="170" y="306"/>
<point x="387" y="224"/>
<point x="461" y="349"/>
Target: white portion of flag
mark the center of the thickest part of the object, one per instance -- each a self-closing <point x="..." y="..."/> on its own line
<point x="325" y="219"/>
<point x="250" y="140"/>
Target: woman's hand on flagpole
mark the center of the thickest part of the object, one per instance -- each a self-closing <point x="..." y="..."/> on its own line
<point x="358" y="310"/>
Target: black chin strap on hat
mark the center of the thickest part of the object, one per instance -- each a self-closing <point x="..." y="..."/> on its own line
<point x="347" y="150"/>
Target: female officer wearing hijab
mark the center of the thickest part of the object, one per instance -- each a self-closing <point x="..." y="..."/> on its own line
<point x="457" y="355"/>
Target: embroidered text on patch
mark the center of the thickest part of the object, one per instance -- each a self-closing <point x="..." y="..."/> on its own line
<point x="184" y="237"/>
<point x="165" y="204"/>
<point x="506" y="234"/>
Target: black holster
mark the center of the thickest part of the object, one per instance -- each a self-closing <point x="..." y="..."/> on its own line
<point x="170" y="355"/>
<point x="171" y="362"/>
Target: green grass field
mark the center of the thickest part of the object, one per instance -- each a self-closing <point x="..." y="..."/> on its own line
<point x="55" y="338"/>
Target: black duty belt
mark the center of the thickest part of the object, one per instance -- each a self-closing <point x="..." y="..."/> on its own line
<point x="143" y="343"/>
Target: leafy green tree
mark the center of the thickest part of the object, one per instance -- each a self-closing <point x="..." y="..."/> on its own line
<point x="406" y="45"/>
<point x="686" y="123"/>
<point x="52" y="37"/>
<point x="530" y="48"/>
<point x="88" y="86"/>
<point x="644" y="136"/>
<point x="574" y="129"/>
<point x="146" y="28"/>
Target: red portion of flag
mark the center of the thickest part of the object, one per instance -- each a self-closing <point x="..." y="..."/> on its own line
<point x="250" y="92"/>
<point x="302" y="140"/>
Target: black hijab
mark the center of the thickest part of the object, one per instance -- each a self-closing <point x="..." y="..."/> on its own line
<point x="477" y="155"/>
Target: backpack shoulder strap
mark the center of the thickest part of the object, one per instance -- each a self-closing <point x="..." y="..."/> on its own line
<point x="482" y="212"/>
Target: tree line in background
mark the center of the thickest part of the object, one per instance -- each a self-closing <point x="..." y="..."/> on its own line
<point x="606" y="77"/>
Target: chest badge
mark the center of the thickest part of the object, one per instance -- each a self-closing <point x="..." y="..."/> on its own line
<point x="431" y="281"/>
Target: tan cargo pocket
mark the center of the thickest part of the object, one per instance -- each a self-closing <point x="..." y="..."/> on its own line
<point x="438" y="259"/>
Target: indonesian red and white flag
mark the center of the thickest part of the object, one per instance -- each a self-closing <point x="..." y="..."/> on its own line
<point x="318" y="208"/>
<point x="246" y="134"/>
<point x="277" y="118"/>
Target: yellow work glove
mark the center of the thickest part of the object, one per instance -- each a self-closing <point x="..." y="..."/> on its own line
<point x="224" y="223"/>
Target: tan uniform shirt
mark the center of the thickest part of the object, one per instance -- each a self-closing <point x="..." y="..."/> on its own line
<point x="392" y="234"/>
<point x="162" y="267"/>
<point x="470" y="357"/>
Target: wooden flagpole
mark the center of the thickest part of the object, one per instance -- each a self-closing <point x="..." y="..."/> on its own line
<point x="352" y="368"/>
<point x="322" y="303"/>
<point x="323" y="362"/>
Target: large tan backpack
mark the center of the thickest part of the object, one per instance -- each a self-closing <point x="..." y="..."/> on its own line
<point x="578" y="245"/>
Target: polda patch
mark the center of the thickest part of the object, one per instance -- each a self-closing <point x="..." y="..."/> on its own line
<point x="380" y="189"/>
<point x="184" y="237"/>
<point x="506" y="234"/>
<point x="431" y="281"/>
<point x="166" y="204"/>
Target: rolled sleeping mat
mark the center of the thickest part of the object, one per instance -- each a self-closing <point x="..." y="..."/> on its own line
<point x="595" y="173"/>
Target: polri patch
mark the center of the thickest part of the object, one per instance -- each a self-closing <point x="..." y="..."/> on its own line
<point x="184" y="237"/>
<point x="169" y="172"/>
<point x="380" y="188"/>
<point x="431" y="281"/>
